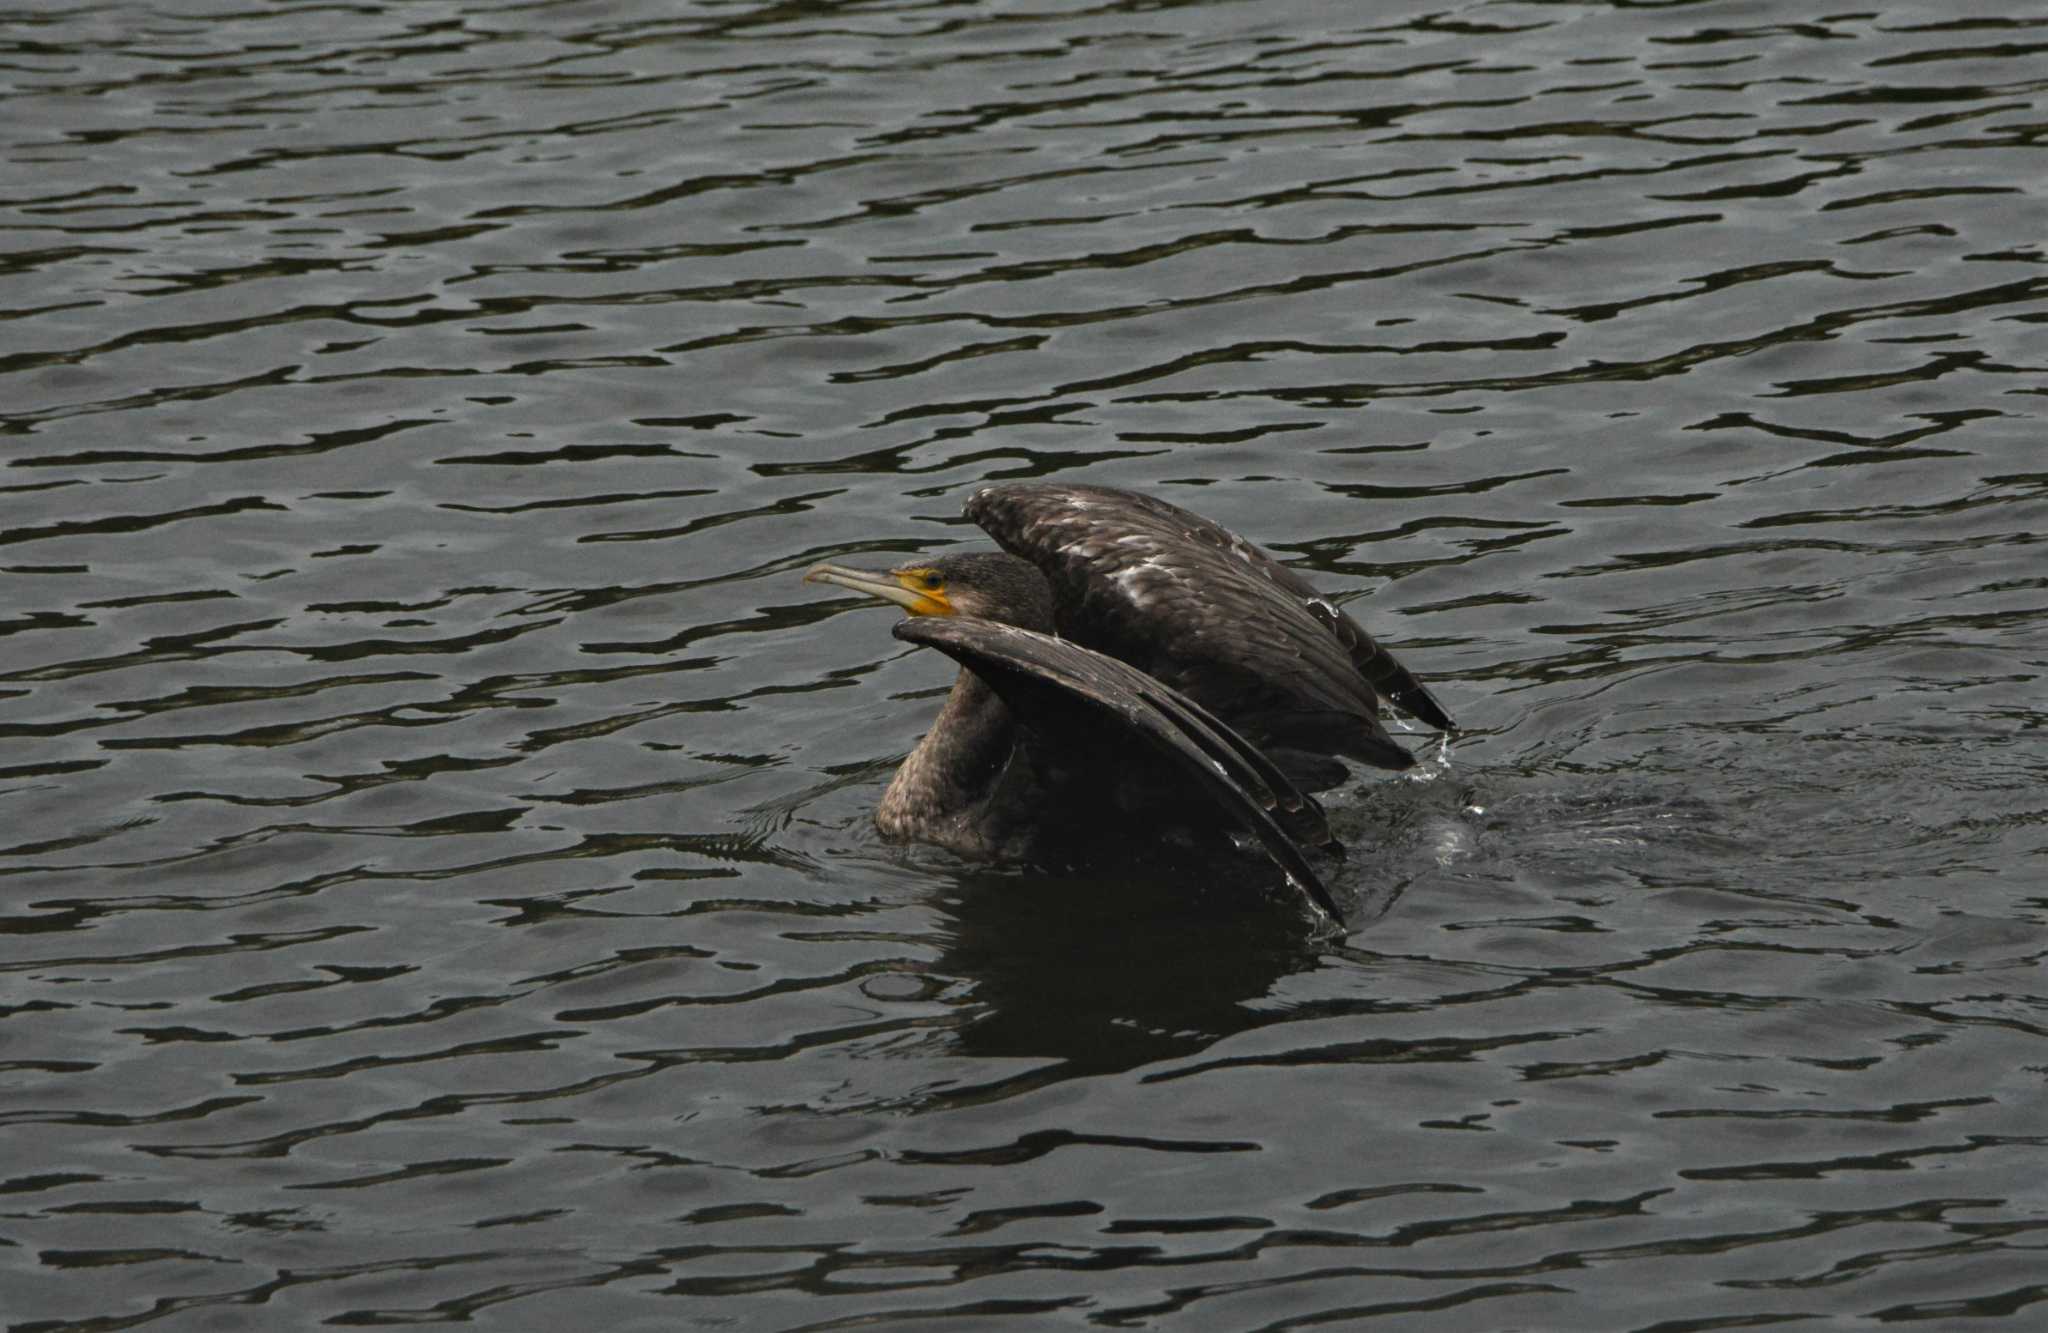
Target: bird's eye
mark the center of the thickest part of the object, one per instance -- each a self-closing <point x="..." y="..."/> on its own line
<point x="932" y="582"/>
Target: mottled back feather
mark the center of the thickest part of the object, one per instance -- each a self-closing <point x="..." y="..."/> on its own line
<point x="1198" y="607"/>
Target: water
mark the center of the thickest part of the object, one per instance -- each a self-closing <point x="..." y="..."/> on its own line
<point x="437" y="878"/>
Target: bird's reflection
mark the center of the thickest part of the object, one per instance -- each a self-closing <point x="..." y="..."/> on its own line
<point x="1107" y="974"/>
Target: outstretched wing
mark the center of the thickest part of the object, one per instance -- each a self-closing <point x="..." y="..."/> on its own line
<point x="1204" y="610"/>
<point x="1086" y="714"/>
<point x="1394" y="682"/>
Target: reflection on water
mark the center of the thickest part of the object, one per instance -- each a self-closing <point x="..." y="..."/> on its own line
<point x="1102" y="979"/>
<point x="434" y="816"/>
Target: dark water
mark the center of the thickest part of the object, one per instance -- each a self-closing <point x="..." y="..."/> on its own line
<point x="437" y="878"/>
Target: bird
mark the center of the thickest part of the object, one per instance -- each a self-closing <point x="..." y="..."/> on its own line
<point x="1137" y="683"/>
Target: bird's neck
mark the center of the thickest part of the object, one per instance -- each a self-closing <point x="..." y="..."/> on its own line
<point x="955" y="767"/>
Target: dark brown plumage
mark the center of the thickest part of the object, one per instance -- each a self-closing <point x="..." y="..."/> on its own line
<point x="1135" y="679"/>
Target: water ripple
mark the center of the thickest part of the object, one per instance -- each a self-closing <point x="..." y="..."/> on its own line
<point x="438" y="816"/>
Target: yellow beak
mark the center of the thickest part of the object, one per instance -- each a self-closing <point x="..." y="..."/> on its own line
<point x="887" y="584"/>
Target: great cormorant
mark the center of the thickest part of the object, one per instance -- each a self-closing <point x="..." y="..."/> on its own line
<point x="1133" y="677"/>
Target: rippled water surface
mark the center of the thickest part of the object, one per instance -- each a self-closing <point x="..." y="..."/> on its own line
<point x="435" y="868"/>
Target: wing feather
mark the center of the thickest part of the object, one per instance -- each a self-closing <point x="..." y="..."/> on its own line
<point x="1197" y="606"/>
<point x="1063" y="693"/>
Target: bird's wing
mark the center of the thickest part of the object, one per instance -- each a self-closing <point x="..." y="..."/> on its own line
<point x="1090" y="708"/>
<point x="1393" y="681"/>
<point x="1201" y="608"/>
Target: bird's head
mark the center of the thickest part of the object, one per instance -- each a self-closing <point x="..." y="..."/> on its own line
<point x="987" y="584"/>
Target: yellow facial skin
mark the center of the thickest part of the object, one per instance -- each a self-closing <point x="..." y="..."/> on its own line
<point x="918" y="589"/>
